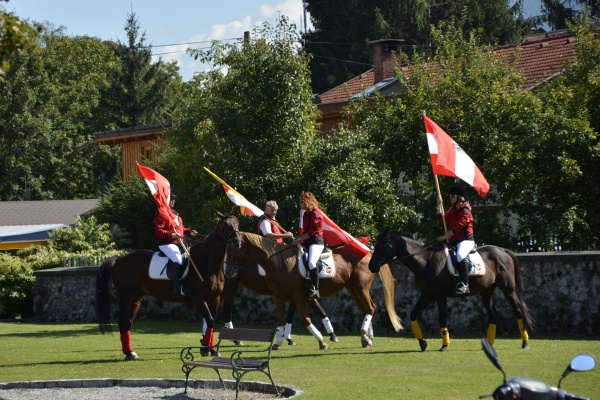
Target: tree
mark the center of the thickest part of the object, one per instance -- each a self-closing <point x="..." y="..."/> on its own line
<point x="14" y="35"/>
<point x="342" y="29"/>
<point x="50" y="104"/>
<point x="251" y="121"/>
<point x="139" y="94"/>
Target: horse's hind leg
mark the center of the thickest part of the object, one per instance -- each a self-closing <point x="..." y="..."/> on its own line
<point x="129" y="307"/>
<point x="511" y="296"/>
<point x="302" y="305"/>
<point x="326" y="322"/>
<point x="365" y="303"/>
<point x="289" y="320"/>
<point x="487" y="297"/>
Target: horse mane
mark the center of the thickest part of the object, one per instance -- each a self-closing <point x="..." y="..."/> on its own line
<point x="284" y="253"/>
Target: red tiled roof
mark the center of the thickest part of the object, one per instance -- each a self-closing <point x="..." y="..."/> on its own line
<point x="541" y="57"/>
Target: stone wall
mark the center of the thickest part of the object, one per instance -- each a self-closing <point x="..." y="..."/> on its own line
<point x="562" y="290"/>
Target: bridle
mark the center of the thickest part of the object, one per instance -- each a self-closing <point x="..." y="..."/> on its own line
<point x="390" y="249"/>
<point x="227" y="237"/>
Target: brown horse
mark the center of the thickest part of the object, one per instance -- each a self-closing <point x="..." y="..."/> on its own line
<point x="286" y="282"/>
<point x="428" y="264"/>
<point x="245" y="272"/>
<point x="131" y="278"/>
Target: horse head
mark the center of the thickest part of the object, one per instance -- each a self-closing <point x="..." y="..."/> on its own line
<point x="383" y="252"/>
<point x="228" y="229"/>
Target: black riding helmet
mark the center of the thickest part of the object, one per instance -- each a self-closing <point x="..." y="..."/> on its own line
<point x="458" y="190"/>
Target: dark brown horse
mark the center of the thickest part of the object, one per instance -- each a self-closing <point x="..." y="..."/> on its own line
<point x="131" y="278"/>
<point x="286" y="282"/>
<point x="428" y="264"/>
<point x="245" y="272"/>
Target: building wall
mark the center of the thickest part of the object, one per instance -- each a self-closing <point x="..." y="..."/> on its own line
<point x="138" y="151"/>
<point x="562" y="290"/>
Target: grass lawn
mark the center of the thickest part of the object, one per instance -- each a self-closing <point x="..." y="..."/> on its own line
<point x="394" y="368"/>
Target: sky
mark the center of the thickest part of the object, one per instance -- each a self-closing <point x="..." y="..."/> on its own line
<point x="171" y="26"/>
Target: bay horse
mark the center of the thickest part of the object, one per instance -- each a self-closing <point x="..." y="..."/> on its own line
<point x="284" y="279"/>
<point x="245" y="272"/>
<point x="436" y="284"/>
<point x="130" y="276"/>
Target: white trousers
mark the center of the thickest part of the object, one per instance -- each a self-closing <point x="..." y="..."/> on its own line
<point x="463" y="249"/>
<point x="172" y="251"/>
<point x="314" y="252"/>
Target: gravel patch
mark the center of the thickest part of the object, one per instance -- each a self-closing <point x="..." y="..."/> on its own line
<point x="134" y="389"/>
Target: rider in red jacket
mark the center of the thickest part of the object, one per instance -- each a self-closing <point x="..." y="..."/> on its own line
<point x="312" y="236"/>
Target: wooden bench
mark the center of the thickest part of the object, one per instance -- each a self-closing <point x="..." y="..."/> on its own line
<point x="239" y="361"/>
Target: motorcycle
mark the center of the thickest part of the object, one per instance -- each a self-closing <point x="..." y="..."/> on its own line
<point x="531" y="389"/>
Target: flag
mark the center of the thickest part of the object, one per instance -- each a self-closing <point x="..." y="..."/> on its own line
<point x="161" y="191"/>
<point x="246" y="208"/>
<point x="335" y="236"/>
<point x="448" y="159"/>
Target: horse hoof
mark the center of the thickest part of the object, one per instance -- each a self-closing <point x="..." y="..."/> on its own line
<point x="291" y="342"/>
<point x="444" y="348"/>
<point x="214" y="353"/>
<point x="366" y="342"/>
<point x="238" y="343"/>
<point x="322" y="346"/>
<point x="131" y="356"/>
<point x="275" y="347"/>
<point x="525" y="344"/>
<point x="333" y="338"/>
<point x="423" y="344"/>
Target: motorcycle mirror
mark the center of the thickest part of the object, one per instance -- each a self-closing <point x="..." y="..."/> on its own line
<point x="579" y="363"/>
<point x="491" y="354"/>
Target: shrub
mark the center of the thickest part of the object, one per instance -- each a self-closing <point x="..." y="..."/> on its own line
<point x="16" y="287"/>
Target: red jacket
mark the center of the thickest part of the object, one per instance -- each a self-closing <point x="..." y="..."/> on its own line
<point x="461" y="222"/>
<point x="274" y="227"/>
<point x="312" y="223"/>
<point x="161" y="229"/>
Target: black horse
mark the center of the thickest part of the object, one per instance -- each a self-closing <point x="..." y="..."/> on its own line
<point x="428" y="264"/>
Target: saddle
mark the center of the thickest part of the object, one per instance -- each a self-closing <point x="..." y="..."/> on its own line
<point x="474" y="261"/>
<point x="325" y="264"/>
<point x="161" y="267"/>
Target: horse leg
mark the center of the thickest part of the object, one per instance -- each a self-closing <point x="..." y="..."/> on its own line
<point x="208" y="337"/>
<point x="512" y="298"/>
<point x="302" y="305"/>
<point x="229" y="291"/>
<point x="328" y="327"/>
<point x="487" y="297"/>
<point x="289" y="319"/>
<point x="129" y="307"/>
<point x="280" y="317"/>
<point x="423" y="302"/>
<point x="365" y="303"/>
<point x="443" y="320"/>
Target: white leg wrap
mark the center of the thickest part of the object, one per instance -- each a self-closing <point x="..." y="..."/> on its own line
<point x="279" y="336"/>
<point x="366" y="323"/>
<point x="315" y="332"/>
<point x="327" y="325"/>
<point x="287" y="332"/>
<point x="204" y="326"/>
<point x="370" y="334"/>
<point x="228" y="325"/>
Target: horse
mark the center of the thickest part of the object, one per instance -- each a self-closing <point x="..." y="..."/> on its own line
<point x="428" y="264"/>
<point x="285" y="280"/>
<point x="130" y="274"/>
<point x="245" y="272"/>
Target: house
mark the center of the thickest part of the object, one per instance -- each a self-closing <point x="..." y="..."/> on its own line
<point x="137" y="144"/>
<point x="542" y="56"/>
<point x="26" y="223"/>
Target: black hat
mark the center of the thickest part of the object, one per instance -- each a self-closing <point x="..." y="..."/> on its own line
<point x="458" y="190"/>
<point x="173" y="197"/>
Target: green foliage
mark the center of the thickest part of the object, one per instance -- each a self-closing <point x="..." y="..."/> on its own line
<point x="16" y="287"/>
<point x="14" y="35"/>
<point x="129" y="209"/>
<point x="86" y="235"/>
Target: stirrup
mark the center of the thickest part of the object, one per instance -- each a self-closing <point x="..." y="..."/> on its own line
<point x="462" y="288"/>
<point x="313" y="294"/>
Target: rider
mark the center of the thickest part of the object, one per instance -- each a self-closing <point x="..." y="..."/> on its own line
<point x="460" y="234"/>
<point x="268" y="227"/>
<point x="169" y="243"/>
<point x="312" y="222"/>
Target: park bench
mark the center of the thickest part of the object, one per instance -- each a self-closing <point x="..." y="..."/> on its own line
<point x="239" y="361"/>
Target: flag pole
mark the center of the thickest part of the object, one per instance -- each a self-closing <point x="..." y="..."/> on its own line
<point x="440" y="206"/>
<point x="190" y="258"/>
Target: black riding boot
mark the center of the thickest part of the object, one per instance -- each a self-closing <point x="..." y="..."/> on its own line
<point x="463" y="273"/>
<point x="177" y="289"/>
<point x="313" y="291"/>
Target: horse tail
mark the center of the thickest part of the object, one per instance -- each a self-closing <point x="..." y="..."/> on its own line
<point x="103" y="294"/>
<point x="528" y="320"/>
<point x="387" y="279"/>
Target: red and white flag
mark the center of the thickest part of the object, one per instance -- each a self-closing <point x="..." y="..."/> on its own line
<point x="246" y="208"/>
<point x="335" y="236"/>
<point x="161" y="191"/>
<point x="449" y="159"/>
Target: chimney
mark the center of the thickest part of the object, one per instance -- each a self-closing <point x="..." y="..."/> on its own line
<point x="386" y="56"/>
